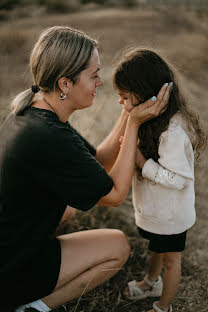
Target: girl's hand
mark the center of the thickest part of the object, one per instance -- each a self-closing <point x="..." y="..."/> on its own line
<point x="152" y="107"/>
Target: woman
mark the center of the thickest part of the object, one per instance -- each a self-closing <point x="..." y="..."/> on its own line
<point x="47" y="165"/>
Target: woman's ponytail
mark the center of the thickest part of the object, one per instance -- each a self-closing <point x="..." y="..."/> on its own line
<point x="21" y="101"/>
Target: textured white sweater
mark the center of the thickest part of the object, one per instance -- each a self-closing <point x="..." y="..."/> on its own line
<point x="164" y="200"/>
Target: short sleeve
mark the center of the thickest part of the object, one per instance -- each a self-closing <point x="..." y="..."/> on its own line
<point x="90" y="148"/>
<point x="65" y="168"/>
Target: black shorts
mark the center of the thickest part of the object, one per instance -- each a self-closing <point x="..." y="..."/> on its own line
<point x="164" y="243"/>
<point x="36" y="279"/>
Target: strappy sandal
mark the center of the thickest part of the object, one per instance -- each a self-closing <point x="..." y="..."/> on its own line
<point x="136" y="293"/>
<point x="157" y="309"/>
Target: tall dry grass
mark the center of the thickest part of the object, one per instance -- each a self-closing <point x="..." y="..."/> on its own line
<point x="181" y="35"/>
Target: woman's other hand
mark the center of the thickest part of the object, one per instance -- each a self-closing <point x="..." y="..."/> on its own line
<point x="152" y="107"/>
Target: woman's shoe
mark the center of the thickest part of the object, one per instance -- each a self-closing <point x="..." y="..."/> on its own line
<point x="136" y="293"/>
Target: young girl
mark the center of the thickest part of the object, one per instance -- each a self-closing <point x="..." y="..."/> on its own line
<point x="163" y="184"/>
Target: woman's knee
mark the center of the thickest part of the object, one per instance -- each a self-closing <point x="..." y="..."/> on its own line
<point x="122" y="246"/>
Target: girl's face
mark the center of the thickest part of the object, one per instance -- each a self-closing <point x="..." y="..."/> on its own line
<point x="127" y="99"/>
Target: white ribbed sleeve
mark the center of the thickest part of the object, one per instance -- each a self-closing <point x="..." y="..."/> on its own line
<point x="175" y="156"/>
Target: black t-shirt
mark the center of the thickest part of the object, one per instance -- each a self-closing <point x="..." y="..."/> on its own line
<point x="44" y="165"/>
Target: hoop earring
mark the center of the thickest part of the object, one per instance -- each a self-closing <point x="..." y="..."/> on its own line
<point x="62" y="96"/>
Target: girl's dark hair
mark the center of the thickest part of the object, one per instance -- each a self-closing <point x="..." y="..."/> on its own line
<point x="142" y="72"/>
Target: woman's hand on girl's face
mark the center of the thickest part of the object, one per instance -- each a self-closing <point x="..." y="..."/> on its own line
<point x="152" y="107"/>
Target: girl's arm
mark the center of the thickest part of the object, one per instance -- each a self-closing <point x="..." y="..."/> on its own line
<point x="124" y="166"/>
<point x="174" y="168"/>
<point x="107" y="151"/>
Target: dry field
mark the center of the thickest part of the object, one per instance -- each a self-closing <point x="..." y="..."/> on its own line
<point x="180" y="35"/>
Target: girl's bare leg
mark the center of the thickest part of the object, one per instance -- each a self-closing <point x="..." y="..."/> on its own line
<point x="89" y="258"/>
<point x="155" y="267"/>
<point x="172" y="276"/>
<point x="172" y="262"/>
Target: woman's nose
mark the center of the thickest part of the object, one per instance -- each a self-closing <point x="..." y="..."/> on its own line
<point x="100" y="83"/>
<point x="121" y="101"/>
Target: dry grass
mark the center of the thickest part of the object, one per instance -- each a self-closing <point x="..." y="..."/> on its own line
<point x="181" y="36"/>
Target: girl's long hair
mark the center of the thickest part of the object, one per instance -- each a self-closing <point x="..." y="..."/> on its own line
<point x="142" y="72"/>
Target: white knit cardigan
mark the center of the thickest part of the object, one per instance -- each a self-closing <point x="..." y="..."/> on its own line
<point x="164" y="200"/>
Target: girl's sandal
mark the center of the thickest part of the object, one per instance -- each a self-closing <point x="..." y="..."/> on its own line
<point x="157" y="309"/>
<point x="136" y="293"/>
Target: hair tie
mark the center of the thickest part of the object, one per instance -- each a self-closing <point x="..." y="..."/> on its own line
<point x="35" y="88"/>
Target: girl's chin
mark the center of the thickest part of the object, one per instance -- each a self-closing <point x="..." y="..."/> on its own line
<point x="127" y="109"/>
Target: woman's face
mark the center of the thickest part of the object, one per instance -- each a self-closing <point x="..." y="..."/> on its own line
<point x="84" y="90"/>
<point x="127" y="99"/>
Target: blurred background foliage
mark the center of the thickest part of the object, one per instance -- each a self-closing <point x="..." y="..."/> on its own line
<point x="63" y="6"/>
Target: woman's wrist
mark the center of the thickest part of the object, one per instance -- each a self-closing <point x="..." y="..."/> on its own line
<point x="124" y="114"/>
<point x="134" y="121"/>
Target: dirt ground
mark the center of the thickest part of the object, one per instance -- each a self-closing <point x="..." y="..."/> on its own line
<point x="181" y="35"/>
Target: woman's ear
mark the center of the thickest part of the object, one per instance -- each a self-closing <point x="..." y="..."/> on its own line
<point x="65" y="85"/>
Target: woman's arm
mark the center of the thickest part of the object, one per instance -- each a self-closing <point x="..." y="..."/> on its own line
<point x="107" y="151"/>
<point x="124" y="166"/>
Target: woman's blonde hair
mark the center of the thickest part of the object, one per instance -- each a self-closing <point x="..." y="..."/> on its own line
<point x="60" y="51"/>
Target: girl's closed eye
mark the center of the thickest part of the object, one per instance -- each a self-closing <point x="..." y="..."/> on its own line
<point x="127" y="100"/>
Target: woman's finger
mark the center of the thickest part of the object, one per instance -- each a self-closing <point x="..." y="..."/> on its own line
<point x="154" y="106"/>
<point x="148" y="103"/>
<point x="162" y="98"/>
<point x="162" y="91"/>
<point x="165" y="98"/>
<point x="156" y="101"/>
